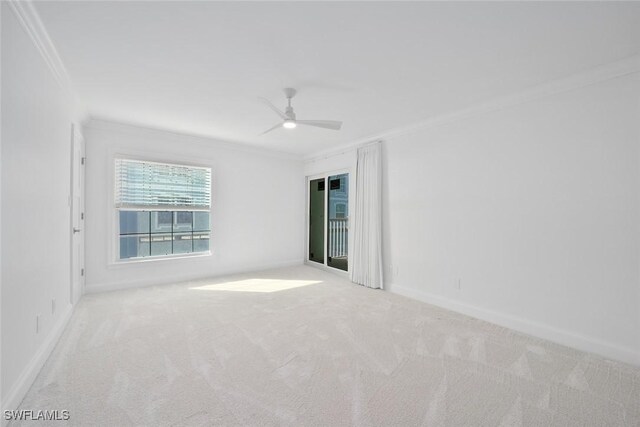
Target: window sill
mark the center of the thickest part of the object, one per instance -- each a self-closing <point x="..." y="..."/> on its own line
<point x="137" y="261"/>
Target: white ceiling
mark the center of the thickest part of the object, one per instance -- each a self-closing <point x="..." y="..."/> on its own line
<point x="199" y="67"/>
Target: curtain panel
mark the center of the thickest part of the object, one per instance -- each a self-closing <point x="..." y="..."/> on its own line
<point x="366" y="268"/>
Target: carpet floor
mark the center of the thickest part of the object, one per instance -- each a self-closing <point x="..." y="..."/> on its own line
<point x="302" y="347"/>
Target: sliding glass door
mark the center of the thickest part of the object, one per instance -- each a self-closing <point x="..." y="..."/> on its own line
<point x="329" y="221"/>
<point x="338" y="222"/>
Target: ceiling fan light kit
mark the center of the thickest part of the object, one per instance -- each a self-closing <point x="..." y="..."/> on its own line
<point x="289" y="116"/>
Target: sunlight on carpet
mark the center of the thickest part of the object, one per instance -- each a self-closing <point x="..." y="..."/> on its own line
<point x="257" y="285"/>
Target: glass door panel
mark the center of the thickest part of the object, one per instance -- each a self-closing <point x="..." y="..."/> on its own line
<point x="338" y="222"/>
<point x="316" y="220"/>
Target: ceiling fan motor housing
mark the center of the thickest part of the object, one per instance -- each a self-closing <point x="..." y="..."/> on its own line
<point x="289" y="112"/>
<point x="290" y="92"/>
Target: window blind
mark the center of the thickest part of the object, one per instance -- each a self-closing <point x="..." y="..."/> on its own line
<point x="144" y="185"/>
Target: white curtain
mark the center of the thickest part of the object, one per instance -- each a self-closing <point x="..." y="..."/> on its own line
<point x="366" y="268"/>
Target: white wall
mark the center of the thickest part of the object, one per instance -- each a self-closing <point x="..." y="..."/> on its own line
<point x="257" y="218"/>
<point x="36" y="127"/>
<point x="535" y="210"/>
<point x="1" y="405"/>
<point x="346" y="159"/>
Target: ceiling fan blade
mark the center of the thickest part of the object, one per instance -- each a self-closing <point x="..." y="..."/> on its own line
<point x="327" y="124"/>
<point x="279" y="125"/>
<point x="274" y="108"/>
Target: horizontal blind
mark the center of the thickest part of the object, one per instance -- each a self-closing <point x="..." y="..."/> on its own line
<point x="144" y="185"/>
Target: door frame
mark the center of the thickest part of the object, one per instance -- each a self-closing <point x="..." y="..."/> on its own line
<point x="326" y="176"/>
<point x="77" y="216"/>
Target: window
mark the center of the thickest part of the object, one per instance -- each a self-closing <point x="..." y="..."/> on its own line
<point x="162" y="209"/>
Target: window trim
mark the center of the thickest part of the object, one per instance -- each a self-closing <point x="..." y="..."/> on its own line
<point x="113" y="252"/>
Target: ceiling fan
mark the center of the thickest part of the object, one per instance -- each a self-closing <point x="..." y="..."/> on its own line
<point x="289" y="117"/>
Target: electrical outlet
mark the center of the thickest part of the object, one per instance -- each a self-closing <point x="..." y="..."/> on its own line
<point x="53" y="306"/>
<point x="37" y="323"/>
<point x="458" y="284"/>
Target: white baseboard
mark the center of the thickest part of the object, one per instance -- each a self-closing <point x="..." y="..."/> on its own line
<point x="152" y="281"/>
<point x="22" y="385"/>
<point x="537" y="329"/>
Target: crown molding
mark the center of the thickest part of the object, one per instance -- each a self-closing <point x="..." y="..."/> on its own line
<point x="110" y="125"/>
<point x="31" y="22"/>
<point x="612" y="70"/>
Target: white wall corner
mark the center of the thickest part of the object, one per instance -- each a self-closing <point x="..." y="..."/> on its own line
<point x="18" y="391"/>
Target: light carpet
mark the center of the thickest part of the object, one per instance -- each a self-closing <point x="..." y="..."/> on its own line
<point x="302" y="347"/>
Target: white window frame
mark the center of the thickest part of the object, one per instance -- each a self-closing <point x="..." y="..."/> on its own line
<point x="114" y="230"/>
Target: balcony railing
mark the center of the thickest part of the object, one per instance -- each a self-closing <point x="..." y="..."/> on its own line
<point x="338" y="237"/>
